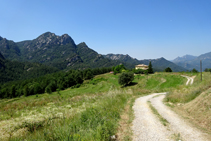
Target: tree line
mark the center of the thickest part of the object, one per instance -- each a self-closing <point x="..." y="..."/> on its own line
<point x="49" y="83"/>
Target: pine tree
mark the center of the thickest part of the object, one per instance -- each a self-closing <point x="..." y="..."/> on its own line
<point x="150" y="69"/>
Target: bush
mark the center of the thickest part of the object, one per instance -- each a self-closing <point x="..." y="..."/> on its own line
<point x="119" y="68"/>
<point x="168" y="70"/>
<point x="194" y="70"/>
<point x="48" y="89"/>
<point x="125" y="78"/>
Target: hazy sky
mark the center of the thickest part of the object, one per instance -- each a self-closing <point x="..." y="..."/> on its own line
<point x="144" y="29"/>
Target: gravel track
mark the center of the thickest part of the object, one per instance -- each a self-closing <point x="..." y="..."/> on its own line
<point x="147" y="127"/>
<point x="190" y="79"/>
<point x="177" y="124"/>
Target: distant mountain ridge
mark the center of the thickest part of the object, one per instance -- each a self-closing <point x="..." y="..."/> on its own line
<point x="62" y="52"/>
<point x="184" y="58"/>
<point x="158" y="64"/>
<point x="194" y="61"/>
<point x="56" y="51"/>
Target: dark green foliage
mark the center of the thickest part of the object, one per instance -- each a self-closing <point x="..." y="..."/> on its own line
<point x="168" y="70"/>
<point x="125" y="78"/>
<point x="194" y="70"/>
<point x="146" y="72"/>
<point x="207" y="70"/>
<point x="13" y="91"/>
<point x="119" y="68"/>
<point x="9" y="49"/>
<point x="26" y="90"/>
<point x="14" y="70"/>
<point x="48" y="89"/>
<point x="150" y="69"/>
<point x="48" y="83"/>
<point x="138" y="71"/>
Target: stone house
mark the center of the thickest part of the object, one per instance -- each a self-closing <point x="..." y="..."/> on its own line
<point x="141" y="66"/>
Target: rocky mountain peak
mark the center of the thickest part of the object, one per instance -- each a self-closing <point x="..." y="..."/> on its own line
<point x="83" y="44"/>
<point x="65" y="38"/>
<point x="49" y="38"/>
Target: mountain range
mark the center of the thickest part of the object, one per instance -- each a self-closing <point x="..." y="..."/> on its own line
<point x="158" y="64"/>
<point x="49" y="53"/>
<point x="61" y="52"/>
<point x="189" y="62"/>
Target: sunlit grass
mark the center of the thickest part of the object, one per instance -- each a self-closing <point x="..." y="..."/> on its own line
<point x="59" y="116"/>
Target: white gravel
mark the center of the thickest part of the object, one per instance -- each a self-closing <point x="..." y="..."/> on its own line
<point x="147" y="127"/>
<point x="190" y="79"/>
<point x="177" y="123"/>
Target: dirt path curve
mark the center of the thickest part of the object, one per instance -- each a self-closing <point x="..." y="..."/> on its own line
<point x="147" y="127"/>
<point x="190" y="79"/>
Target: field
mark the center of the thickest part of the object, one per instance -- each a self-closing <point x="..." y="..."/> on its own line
<point x="97" y="110"/>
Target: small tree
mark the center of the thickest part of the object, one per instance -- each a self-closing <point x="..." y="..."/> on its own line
<point x="194" y="70"/>
<point x="48" y="89"/>
<point x="126" y="78"/>
<point x="150" y="69"/>
<point x="119" y="68"/>
<point x="168" y="69"/>
<point x="26" y="90"/>
<point x="89" y="75"/>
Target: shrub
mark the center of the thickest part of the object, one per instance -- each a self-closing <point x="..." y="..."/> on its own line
<point x="48" y="89"/>
<point x="168" y="70"/>
<point x="194" y="70"/>
<point x="125" y="78"/>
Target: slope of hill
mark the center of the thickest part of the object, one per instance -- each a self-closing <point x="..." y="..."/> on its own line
<point x="14" y="70"/>
<point x="184" y="58"/>
<point x="9" y="49"/>
<point x="195" y="62"/>
<point x="158" y="64"/>
<point x="1" y="60"/>
<point x="125" y="58"/>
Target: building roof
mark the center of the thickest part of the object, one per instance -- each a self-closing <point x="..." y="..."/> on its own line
<point x="141" y="65"/>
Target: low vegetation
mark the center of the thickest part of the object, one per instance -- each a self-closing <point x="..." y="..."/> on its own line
<point x="90" y="112"/>
<point x="97" y="109"/>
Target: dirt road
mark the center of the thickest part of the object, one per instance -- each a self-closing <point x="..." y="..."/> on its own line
<point x="148" y="127"/>
<point x="190" y="79"/>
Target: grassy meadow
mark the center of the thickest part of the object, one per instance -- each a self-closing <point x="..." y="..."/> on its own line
<point x="97" y="110"/>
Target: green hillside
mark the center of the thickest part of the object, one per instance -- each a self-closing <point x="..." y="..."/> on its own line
<point x="90" y="112"/>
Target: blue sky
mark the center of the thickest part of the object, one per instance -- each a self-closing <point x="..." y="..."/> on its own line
<point x="144" y="29"/>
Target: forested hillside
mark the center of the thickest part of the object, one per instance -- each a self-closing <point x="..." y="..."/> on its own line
<point x="14" y="70"/>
